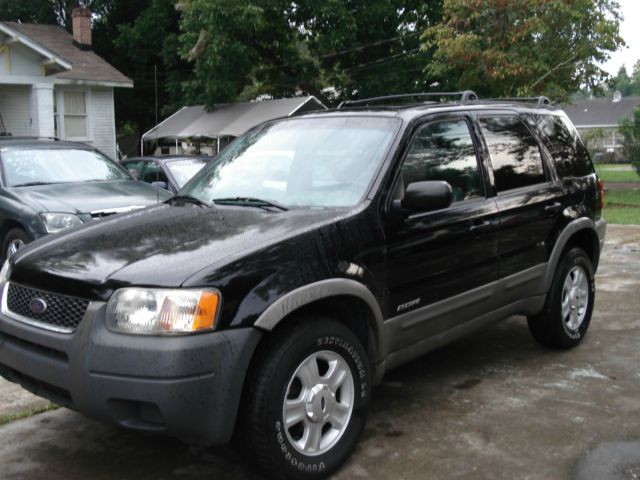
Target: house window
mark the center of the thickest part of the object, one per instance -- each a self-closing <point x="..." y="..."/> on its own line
<point x="75" y="115"/>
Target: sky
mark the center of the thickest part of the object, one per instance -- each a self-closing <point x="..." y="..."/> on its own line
<point x="630" y="32"/>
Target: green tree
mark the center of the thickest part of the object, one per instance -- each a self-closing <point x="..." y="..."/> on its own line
<point x="367" y="48"/>
<point x="33" y="11"/>
<point x="360" y="47"/>
<point x="523" y="47"/>
<point x="140" y="38"/>
<point x="630" y="130"/>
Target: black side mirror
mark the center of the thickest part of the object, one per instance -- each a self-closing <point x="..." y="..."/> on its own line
<point x="427" y="196"/>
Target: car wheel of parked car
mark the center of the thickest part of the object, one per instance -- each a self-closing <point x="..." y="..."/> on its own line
<point x="305" y="400"/>
<point x="567" y="313"/>
<point x="14" y="240"/>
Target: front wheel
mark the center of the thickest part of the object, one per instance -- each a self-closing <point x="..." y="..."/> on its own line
<point x="565" y="319"/>
<point x="14" y="240"/>
<point x="305" y="401"/>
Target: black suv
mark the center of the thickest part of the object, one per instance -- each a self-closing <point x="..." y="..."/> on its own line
<point x="314" y="254"/>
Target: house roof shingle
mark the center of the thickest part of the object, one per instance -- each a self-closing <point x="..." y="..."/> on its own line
<point x="601" y="112"/>
<point x="86" y="65"/>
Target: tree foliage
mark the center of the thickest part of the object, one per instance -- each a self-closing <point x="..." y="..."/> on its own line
<point x="359" y="47"/>
<point x="140" y="38"/>
<point x="626" y="84"/>
<point x="523" y="47"/>
<point x="630" y="130"/>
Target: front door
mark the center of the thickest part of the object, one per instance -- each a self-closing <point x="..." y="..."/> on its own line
<point x="442" y="265"/>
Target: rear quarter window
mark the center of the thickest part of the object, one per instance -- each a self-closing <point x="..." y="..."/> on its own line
<point x="568" y="151"/>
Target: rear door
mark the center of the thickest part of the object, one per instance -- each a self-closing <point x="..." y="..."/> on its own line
<point x="529" y="199"/>
<point x="442" y="264"/>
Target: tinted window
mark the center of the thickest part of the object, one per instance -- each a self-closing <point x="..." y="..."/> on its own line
<point x="444" y="151"/>
<point x="568" y="152"/>
<point x="134" y="167"/>
<point x="152" y="172"/>
<point x="515" y="154"/>
<point x="57" y="165"/>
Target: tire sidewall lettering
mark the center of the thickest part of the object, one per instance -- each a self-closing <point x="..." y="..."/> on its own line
<point x="290" y="455"/>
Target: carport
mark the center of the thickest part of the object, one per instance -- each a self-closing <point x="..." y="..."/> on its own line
<point x="225" y="121"/>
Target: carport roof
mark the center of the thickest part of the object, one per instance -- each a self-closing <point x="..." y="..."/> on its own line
<point x="228" y="120"/>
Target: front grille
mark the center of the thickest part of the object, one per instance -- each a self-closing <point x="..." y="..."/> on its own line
<point x="62" y="312"/>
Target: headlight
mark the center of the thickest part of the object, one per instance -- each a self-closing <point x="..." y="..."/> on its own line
<point x="158" y="311"/>
<point x="54" y="222"/>
<point x="5" y="272"/>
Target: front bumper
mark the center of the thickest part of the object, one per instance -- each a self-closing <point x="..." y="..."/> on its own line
<point x="187" y="386"/>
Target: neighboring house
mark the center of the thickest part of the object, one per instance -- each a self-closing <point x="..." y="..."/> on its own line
<point x="52" y="84"/>
<point x="195" y="130"/>
<point x="597" y="120"/>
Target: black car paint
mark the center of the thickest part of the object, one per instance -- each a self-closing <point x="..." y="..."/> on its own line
<point x="256" y="257"/>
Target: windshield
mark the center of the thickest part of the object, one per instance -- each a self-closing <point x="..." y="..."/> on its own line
<point x="57" y="165"/>
<point x="318" y="162"/>
<point x="184" y="169"/>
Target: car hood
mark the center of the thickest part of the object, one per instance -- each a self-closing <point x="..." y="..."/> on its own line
<point x="160" y="246"/>
<point x="87" y="197"/>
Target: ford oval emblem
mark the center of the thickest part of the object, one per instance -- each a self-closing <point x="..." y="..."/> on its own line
<point x="38" y="306"/>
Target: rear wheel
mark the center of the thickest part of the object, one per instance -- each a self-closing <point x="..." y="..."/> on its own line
<point x="14" y="240"/>
<point x="304" y="405"/>
<point x="567" y="313"/>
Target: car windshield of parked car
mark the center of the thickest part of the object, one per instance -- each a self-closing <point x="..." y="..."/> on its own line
<point x="307" y="162"/>
<point x="183" y="169"/>
<point x="41" y="166"/>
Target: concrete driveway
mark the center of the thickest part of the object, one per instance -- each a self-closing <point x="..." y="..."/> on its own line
<point x="494" y="406"/>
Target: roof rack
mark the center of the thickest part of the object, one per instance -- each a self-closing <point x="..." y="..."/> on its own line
<point x="463" y="97"/>
<point x="539" y="101"/>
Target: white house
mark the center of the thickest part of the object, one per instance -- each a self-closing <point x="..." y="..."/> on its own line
<point x="53" y="85"/>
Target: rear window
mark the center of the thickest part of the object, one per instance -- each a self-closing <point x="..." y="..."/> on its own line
<point x="515" y="154"/>
<point x="570" y="155"/>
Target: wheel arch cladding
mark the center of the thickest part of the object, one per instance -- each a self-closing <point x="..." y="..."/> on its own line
<point x="343" y="299"/>
<point x="579" y="233"/>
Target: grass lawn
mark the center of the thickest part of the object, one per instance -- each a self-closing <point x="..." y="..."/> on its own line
<point x="614" y="173"/>
<point x="622" y="206"/>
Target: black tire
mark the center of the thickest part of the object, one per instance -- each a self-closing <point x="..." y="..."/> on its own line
<point x="13" y="235"/>
<point x="553" y="328"/>
<point x="266" y="439"/>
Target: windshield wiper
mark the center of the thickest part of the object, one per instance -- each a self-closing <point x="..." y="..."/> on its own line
<point x="32" y="184"/>
<point x="249" y="202"/>
<point x="188" y="199"/>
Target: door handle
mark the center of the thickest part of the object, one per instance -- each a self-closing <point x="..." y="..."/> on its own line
<point x="553" y="209"/>
<point x="480" y="227"/>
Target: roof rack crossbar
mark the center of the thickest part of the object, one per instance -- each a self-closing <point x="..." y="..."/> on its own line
<point x="539" y="101"/>
<point x="464" y="97"/>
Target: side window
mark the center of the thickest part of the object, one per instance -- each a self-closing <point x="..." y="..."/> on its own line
<point x="152" y="172"/>
<point x="515" y="154"/>
<point x="444" y="150"/>
<point x="570" y="155"/>
<point x="134" y="168"/>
